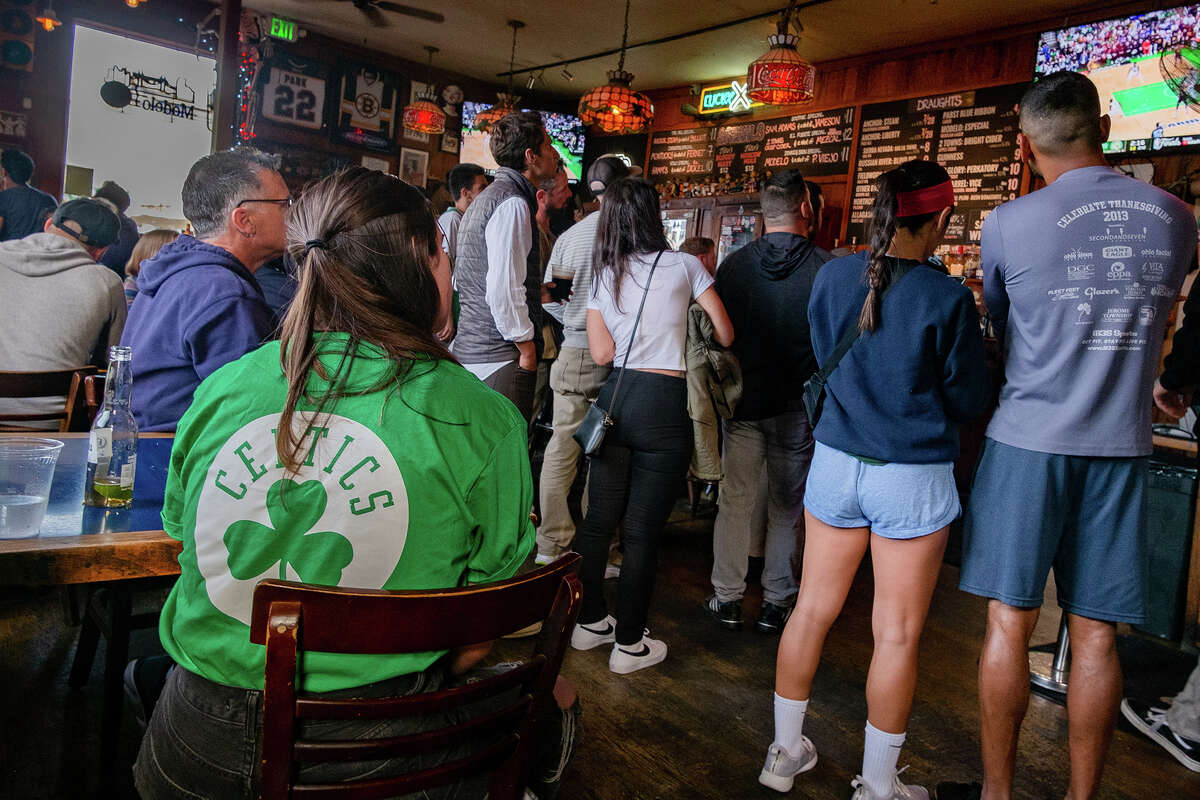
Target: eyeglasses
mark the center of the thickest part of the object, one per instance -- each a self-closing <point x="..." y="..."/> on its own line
<point x="286" y="202"/>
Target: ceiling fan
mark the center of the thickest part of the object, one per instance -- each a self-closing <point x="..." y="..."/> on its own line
<point x="373" y="9"/>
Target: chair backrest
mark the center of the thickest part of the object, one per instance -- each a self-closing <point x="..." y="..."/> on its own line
<point x="59" y="383"/>
<point x="88" y="402"/>
<point x="340" y="620"/>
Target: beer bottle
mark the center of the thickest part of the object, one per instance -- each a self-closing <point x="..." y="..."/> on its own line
<point x="112" y="445"/>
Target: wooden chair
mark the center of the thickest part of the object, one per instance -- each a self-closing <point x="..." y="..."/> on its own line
<point x="65" y="382"/>
<point x="90" y="399"/>
<point x="326" y="619"/>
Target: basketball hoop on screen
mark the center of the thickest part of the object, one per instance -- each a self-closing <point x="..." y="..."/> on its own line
<point x="1180" y="68"/>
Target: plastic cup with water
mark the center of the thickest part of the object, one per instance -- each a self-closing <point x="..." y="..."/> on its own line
<point x="26" y="471"/>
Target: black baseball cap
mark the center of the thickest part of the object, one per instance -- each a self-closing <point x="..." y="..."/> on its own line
<point x="98" y="223"/>
<point x="605" y="170"/>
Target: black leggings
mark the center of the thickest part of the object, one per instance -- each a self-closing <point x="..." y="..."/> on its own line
<point x="634" y="478"/>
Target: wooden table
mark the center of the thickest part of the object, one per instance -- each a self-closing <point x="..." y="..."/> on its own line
<point x="110" y="547"/>
<point x="78" y="544"/>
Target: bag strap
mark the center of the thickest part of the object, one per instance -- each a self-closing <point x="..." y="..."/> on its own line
<point x="851" y="336"/>
<point x="612" y="408"/>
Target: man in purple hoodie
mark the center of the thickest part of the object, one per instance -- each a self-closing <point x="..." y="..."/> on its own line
<point x="198" y="305"/>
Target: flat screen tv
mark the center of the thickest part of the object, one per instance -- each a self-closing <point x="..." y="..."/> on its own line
<point x="1146" y="67"/>
<point x="566" y="132"/>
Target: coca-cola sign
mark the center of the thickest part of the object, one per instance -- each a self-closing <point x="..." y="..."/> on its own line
<point x="781" y="81"/>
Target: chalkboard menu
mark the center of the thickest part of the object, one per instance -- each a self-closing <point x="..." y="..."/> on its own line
<point x="817" y="143"/>
<point x="681" y="154"/>
<point x="972" y="134"/>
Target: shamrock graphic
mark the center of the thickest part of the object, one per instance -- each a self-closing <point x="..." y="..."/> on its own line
<point x="317" y="557"/>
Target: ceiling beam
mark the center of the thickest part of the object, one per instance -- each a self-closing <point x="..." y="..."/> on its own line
<point x="664" y="39"/>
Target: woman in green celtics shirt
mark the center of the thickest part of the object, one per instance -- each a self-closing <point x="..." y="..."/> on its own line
<point x="353" y="452"/>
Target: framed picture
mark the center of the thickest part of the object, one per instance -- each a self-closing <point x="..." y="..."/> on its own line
<point x="414" y="166"/>
<point x="450" y="138"/>
<point x="381" y="164"/>
<point x="416" y="136"/>
<point x="295" y="92"/>
<point x="367" y="108"/>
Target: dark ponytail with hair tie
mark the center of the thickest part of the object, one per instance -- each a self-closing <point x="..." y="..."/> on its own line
<point x="908" y="177"/>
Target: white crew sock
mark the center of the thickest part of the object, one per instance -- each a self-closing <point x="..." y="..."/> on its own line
<point x="881" y="751"/>
<point x="789" y="723"/>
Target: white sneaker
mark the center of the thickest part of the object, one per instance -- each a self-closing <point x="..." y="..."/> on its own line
<point x="900" y="791"/>
<point x="631" y="658"/>
<point x="542" y="559"/>
<point x="781" y="769"/>
<point x="585" y="637"/>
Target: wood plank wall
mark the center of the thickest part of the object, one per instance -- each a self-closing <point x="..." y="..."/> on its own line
<point x="46" y="89"/>
<point x="992" y="58"/>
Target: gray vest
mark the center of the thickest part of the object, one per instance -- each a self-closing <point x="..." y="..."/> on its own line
<point x="478" y="340"/>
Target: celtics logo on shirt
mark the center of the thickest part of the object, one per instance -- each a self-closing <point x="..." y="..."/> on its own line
<point x="340" y="520"/>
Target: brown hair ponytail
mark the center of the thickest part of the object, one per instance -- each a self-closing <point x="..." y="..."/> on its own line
<point x="364" y="243"/>
<point x="908" y="177"/>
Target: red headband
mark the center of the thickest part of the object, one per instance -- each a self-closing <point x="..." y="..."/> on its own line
<point x="925" y="201"/>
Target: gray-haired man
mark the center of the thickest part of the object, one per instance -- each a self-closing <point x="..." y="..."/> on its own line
<point x="198" y="306"/>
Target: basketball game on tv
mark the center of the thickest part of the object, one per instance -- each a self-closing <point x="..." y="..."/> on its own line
<point x="566" y="133"/>
<point x="1146" y="67"/>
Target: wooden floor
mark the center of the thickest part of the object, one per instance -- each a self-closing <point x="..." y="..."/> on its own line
<point x="695" y="727"/>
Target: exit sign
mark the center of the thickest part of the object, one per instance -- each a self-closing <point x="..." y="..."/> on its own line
<point x="285" y="29"/>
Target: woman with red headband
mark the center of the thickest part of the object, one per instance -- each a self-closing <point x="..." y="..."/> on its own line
<point x="882" y="475"/>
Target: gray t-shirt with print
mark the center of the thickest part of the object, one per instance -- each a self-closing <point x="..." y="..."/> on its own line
<point x="1080" y="278"/>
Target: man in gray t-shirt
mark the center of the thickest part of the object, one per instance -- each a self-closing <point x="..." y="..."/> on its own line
<point x="1079" y="278"/>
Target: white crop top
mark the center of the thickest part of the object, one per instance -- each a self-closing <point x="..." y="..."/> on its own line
<point x="662" y="335"/>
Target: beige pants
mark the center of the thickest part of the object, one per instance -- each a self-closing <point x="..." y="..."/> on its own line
<point x="575" y="380"/>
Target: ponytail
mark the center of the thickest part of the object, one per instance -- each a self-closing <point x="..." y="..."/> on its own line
<point x="885" y="221"/>
<point x="881" y="230"/>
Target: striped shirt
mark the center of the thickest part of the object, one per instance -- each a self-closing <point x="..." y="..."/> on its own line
<point x="572" y="255"/>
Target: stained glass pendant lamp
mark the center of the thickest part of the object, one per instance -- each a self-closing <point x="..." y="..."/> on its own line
<point x="506" y="102"/>
<point x="615" y="108"/>
<point x="781" y="76"/>
<point x="424" y="115"/>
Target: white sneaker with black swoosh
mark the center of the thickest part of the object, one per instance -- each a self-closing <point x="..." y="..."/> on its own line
<point x="585" y="637"/>
<point x="628" y="658"/>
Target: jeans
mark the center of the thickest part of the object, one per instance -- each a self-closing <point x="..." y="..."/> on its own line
<point x="784" y="443"/>
<point x="1184" y="713"/>
<point x="635" y="478"/>
<point x="204" y="740"/>
<point x="576" y="380"/>
<point x="517" y="385"/>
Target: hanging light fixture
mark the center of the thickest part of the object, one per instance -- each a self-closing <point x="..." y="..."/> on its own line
<point x="134" y="3"/>
<point x="48" y="19"/>
<point x="506" y="101"/>
<point x="780" y="76"/>
<point x="616" y="108"/>
<point x="424" y="115"/>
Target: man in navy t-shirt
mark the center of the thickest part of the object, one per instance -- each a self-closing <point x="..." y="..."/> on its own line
<point x="23" y="209"/>
<point x="1079" y="278"/>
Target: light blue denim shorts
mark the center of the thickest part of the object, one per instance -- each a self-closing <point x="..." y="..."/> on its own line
<point x="896" y="501"/>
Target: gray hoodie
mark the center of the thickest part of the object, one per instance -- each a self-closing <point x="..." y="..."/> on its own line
<point x="58" y="309"/>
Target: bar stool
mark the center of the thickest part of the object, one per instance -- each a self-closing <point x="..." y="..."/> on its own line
<point x="1048" y="670"/>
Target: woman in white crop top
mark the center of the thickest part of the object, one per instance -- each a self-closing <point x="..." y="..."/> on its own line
<point x="635" y="476"/>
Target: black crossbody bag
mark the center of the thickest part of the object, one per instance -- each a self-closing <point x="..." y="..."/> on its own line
<point x="814" y="387"/>
<point x="596" y="422"/>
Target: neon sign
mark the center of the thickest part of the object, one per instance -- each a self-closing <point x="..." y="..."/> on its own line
<point x="727" y="98"/>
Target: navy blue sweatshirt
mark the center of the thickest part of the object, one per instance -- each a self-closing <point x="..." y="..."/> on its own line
<point x="197" y="308"/>
<point x="900" y="392"/>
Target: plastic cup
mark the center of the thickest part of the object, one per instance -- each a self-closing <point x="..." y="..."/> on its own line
<point x="26" y="471"/>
